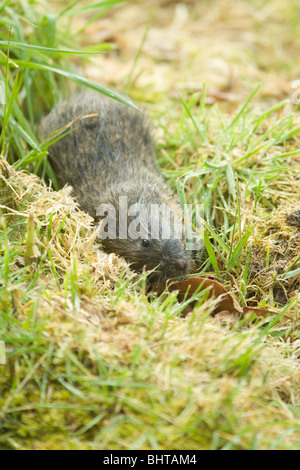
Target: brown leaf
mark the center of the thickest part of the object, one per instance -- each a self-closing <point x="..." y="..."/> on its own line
<point x="259" y="312"/>
<point x="227" y="303"/>
<point x="216" y="290"/>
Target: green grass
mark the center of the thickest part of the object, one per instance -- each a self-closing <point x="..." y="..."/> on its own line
<point x="37" y="49"/>
<point x="238" y="177"/>
<point x="92" y="362"/>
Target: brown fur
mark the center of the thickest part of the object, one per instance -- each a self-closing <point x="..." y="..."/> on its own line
<point x="109" y="153"/>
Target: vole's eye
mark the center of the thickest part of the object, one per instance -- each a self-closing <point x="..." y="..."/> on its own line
<point x="146" y="243"/>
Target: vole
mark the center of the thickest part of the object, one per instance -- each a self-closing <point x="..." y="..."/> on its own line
<point x="108" y="158"/>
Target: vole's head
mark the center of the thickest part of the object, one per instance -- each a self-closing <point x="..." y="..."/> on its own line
<point x="166" y="259"/>
<point x="149" y="236"/>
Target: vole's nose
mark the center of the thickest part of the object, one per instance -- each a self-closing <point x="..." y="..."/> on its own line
<point x="181" y="264"/>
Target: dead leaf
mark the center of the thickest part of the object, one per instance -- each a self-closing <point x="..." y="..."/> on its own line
<point x="227" y="305"/>
<point x="259" y="312"/>
<point x="216" y="290"/>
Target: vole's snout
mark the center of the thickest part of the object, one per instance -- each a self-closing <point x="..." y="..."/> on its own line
<point x="180" y="264"/>
<point x="176" y="261"/>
